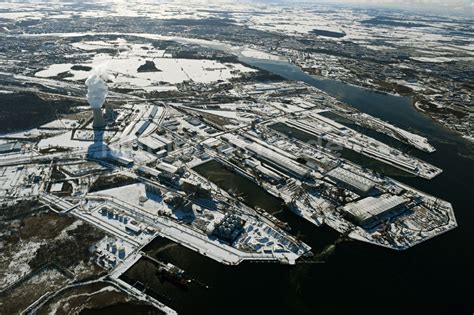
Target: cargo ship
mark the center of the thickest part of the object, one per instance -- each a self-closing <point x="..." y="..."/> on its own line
<point x="174" y="275"/>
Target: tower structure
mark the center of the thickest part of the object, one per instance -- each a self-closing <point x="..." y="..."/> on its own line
<point x="99" y="122"/>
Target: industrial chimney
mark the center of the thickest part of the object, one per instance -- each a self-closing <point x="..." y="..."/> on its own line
<point x="96" y="94"/>
<point x="99" y="122"/>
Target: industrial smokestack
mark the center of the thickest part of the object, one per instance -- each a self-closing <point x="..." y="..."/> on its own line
<point x="96" y="94"/>
<point x="99" y="122"/>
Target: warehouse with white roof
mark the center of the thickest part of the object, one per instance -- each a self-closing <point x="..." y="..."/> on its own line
<point x="370" y="211"/>
<point x="152" y="144"/>
<point x="354" y="182"/>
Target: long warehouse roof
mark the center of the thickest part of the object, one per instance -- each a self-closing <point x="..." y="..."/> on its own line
<point x="359" y="182"/>
<point x="373" y="206"/>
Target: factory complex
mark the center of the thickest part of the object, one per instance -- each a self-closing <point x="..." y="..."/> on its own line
<point x="213" y="167"/>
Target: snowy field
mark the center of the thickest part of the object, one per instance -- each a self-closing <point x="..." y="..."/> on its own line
<point x="122" y="69"/>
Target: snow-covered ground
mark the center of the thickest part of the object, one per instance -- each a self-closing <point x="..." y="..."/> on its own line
<point x="132" y="193"/>
<point x="122" y="67"/>
<point x="63" y="140"/>
<point x="19" y="182"/>
<point x="19" y="266"/>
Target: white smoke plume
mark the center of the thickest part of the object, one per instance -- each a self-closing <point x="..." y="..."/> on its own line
<point x="96" y="90"/>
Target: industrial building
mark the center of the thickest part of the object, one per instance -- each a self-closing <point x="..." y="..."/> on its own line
<point x="168" y="173"/>
<point x="10" y="147"/>
<point x="148" y="171"/>
<point x="370" y="211"/>
<point x="143" y="127"/>
<point x="354" y="182"/>
<point x="278" y="161"/>
<point x="270" y="157"/>
<point x="118" y="159"/>
<point x="167" y="168"/>
<point x="168" y="142"/>
<point x="390" y="160"/>
<point x="151" y="144"/>
<point x="191" y="186"/>
<point x="133" y="229"/>
<point x="269" y="174"/>
<point x="156" y="144"/>
<point x="211" y="143"/>
<point x="82" y="169"/>
<point x="153" y="189"/>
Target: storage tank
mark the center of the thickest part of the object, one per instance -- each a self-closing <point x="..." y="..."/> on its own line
<point x="121" y="252"/>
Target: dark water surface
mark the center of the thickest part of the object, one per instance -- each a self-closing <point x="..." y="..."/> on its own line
<point x="123" y="308"/>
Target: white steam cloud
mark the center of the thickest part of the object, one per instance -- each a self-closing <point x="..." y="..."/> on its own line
<point x="96" y="90"/>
